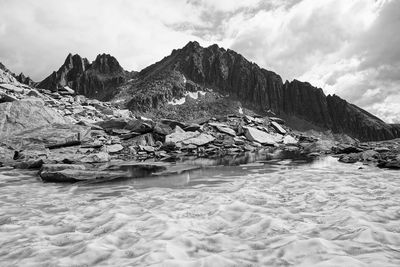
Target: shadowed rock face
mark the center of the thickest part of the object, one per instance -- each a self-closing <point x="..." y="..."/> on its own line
<point x="194" y="67"/>
<point x="355" y="121"/>
<point x="96" y="80"/>
<point x="25" y="80"/>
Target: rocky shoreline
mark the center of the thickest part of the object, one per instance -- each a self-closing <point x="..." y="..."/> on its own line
<point x="71" y="138"/>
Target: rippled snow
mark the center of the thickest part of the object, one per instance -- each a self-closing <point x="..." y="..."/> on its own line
<point x="281" y="214"/>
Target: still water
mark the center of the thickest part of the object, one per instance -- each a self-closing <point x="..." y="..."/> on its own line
<point x="277" y="213"/>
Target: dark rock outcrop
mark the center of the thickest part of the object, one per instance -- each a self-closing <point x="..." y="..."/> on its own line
<point x="25" y="80"/>
<point x="69" y="74"/>
<point x="98" y="79"/>
<point x="195" y="68"/>
<point x="357" y="122"/>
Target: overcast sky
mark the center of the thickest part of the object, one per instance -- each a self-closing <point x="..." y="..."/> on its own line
<point x="347" y="47"/>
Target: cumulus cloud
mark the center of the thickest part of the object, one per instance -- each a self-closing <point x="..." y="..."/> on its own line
<point x="347" y="47"/>
<point x="36" y="36"/>
<point x="350" y="48"/>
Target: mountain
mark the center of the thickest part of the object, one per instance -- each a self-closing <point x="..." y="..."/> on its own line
<point x="25" y="80"/>
<point x="98" y="79"/>
<point x="216" y="70"/>
<point x="195" y="68"/>
<point x="13" y="78"/>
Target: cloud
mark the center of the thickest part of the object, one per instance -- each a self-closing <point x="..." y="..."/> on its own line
<point x="366" y="71"/>
<point x="37" y="35"/>
<point x="350" y="48"/>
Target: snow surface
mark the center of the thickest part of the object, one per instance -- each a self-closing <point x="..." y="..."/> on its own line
<point x="180" y="101"/>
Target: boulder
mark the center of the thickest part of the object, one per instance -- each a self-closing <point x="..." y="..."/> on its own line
<point x="139" y="126"/>
<point x="382" y="149"/>
<point x="6" y="153"/>
<point x="173" y="123"/>
<point x="143" y="140"/>
<point x="346" y="149"/>
<point x="350" y="158"/>
<point x="146" y="148"/>
<point x="278" y="128"/>
<point x="252" y="134"/>
<point x="26" y="114"/>
<point x="278" y="120"/>
<point x="289" y="140"/>
<point x="129" y="135"/>
<point x="59" y="167"/>
<point x="199" y="140"/>
<point x="223" y="128"/>
<point x="123" y="113"/>
<point x="119" y="131"/>
<point x="7" y="98"/>
<point x="57" y="173"/>
<point x="238" y="141"/>
<point x="192" y="127"/>
<point x="119" y="123"/>
<point x="319" y="146"/>
<point x="29" y="164"/>
<point x="67" y="90"/>
<point x="179" y="136"/>
<point x="114" y="148"/>
<point x="248" y="119"/>
<point x="76" y="175"/>
<point x="96" y="158"/>
<point x="162" y="129"/>
<point x="15" y="88"/>
<point x="369" y="155"/>
<point x="50" y="136"/>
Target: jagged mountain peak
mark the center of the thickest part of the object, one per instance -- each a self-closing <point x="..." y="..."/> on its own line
<point x="98" y="79"/>
<point x="191" y="45"/>
<point x="25" y="80"/>
<point x="105" y="63"/>
<point x="194" y="67"/>
<point x="75" y="62"/>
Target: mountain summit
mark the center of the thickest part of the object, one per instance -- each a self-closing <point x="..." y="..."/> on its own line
<point x="98" y="79"/>
<point x="304" y="106"/>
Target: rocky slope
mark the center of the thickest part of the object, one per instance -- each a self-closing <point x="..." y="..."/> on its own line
<point x="6" y="76"/>
<point x="73" y="138"/>
<point x="194" y="68"/>
<point x="98" y="79"/>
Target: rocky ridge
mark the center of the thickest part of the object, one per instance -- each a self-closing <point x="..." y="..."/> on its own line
<point x="6" y="76"/>
<point x="99" y="79"/>
<point x="195" y="68"/>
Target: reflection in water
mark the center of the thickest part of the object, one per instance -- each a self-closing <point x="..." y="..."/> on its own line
<point x="257" y="213"/>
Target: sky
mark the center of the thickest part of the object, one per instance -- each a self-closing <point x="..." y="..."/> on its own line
<point x="346" y="47"/>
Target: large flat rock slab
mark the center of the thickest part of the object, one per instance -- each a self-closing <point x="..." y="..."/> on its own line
<point x="261" y="137"/>
<point x="26" y="114"/>
<point x="71" y="173"/>
<point x="48" y="135"/>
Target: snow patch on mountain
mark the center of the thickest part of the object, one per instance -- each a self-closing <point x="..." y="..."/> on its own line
<point x="182" y="100"/>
